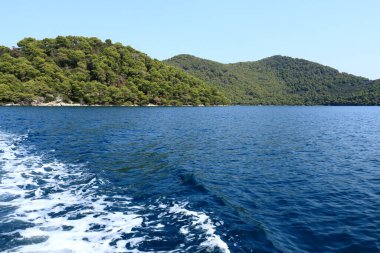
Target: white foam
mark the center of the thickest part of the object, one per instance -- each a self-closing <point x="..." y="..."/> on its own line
<point x="200" y="221"/>
<point x="68" y="215"/>
<point x="22" y="170"/>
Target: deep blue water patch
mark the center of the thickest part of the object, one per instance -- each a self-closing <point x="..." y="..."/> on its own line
<point x="214" y="179"/>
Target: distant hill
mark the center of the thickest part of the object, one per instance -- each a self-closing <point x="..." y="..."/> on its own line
<point x="369" y="95"/>
<point x="280" y="80"/>
<point x="85" y="70"/>
<point x="90" y="71"/>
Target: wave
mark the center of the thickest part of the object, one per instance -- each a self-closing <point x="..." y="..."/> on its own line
<point x="190" y="180"/>
<point x="63" y="208"/>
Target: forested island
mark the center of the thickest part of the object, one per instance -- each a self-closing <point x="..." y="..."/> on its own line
<point x="88" y="71"/>
<point x="280" y="80"/>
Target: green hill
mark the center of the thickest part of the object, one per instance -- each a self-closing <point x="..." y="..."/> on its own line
<point x="369" y="95"/>
<point x="90" y="71"/>
<point x="281" y="80"/>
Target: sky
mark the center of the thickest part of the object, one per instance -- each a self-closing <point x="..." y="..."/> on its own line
<point x="344" y="34"/>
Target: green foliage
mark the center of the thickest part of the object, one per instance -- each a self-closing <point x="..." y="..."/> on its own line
<point x="89" y="71"/>
<point x="368" y="96"/>
<point x="281" y="80"/>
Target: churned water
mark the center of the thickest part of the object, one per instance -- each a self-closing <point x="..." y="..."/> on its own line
<point x="214" y="179"/>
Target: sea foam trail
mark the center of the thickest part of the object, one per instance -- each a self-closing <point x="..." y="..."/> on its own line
<point x="62" y="210"/>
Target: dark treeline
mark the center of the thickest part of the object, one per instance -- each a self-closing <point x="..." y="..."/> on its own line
<point x="89" y="71"/>
<point x="282" y="80"/>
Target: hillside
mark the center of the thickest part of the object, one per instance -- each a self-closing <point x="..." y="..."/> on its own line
<point x="90" y="71"/>
<point x="280" y="80"/>
<point x="370" y="95"/>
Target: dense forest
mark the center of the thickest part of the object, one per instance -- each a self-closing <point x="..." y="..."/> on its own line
<point x="89" y="71"/>
<point x="280" y="80"/>
<point x="369" y="95"/>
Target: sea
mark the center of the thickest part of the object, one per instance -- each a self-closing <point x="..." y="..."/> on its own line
<point x="190" y="179"/>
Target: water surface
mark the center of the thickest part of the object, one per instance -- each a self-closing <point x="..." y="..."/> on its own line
<point x="214" y="179"/>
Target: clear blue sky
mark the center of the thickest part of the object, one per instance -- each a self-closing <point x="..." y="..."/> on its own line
<point x="344" y="34"/>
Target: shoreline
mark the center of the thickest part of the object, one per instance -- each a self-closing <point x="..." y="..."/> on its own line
<point x="98" y="105"/>
<point x="61" y="104"/>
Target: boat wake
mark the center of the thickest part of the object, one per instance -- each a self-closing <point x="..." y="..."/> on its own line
<point x="49" y="206"/>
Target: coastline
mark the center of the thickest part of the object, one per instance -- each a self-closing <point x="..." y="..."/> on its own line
<point x="62" y="104"/>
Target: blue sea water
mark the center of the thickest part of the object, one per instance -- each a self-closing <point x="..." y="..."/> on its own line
<point x="189" y="179"/>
